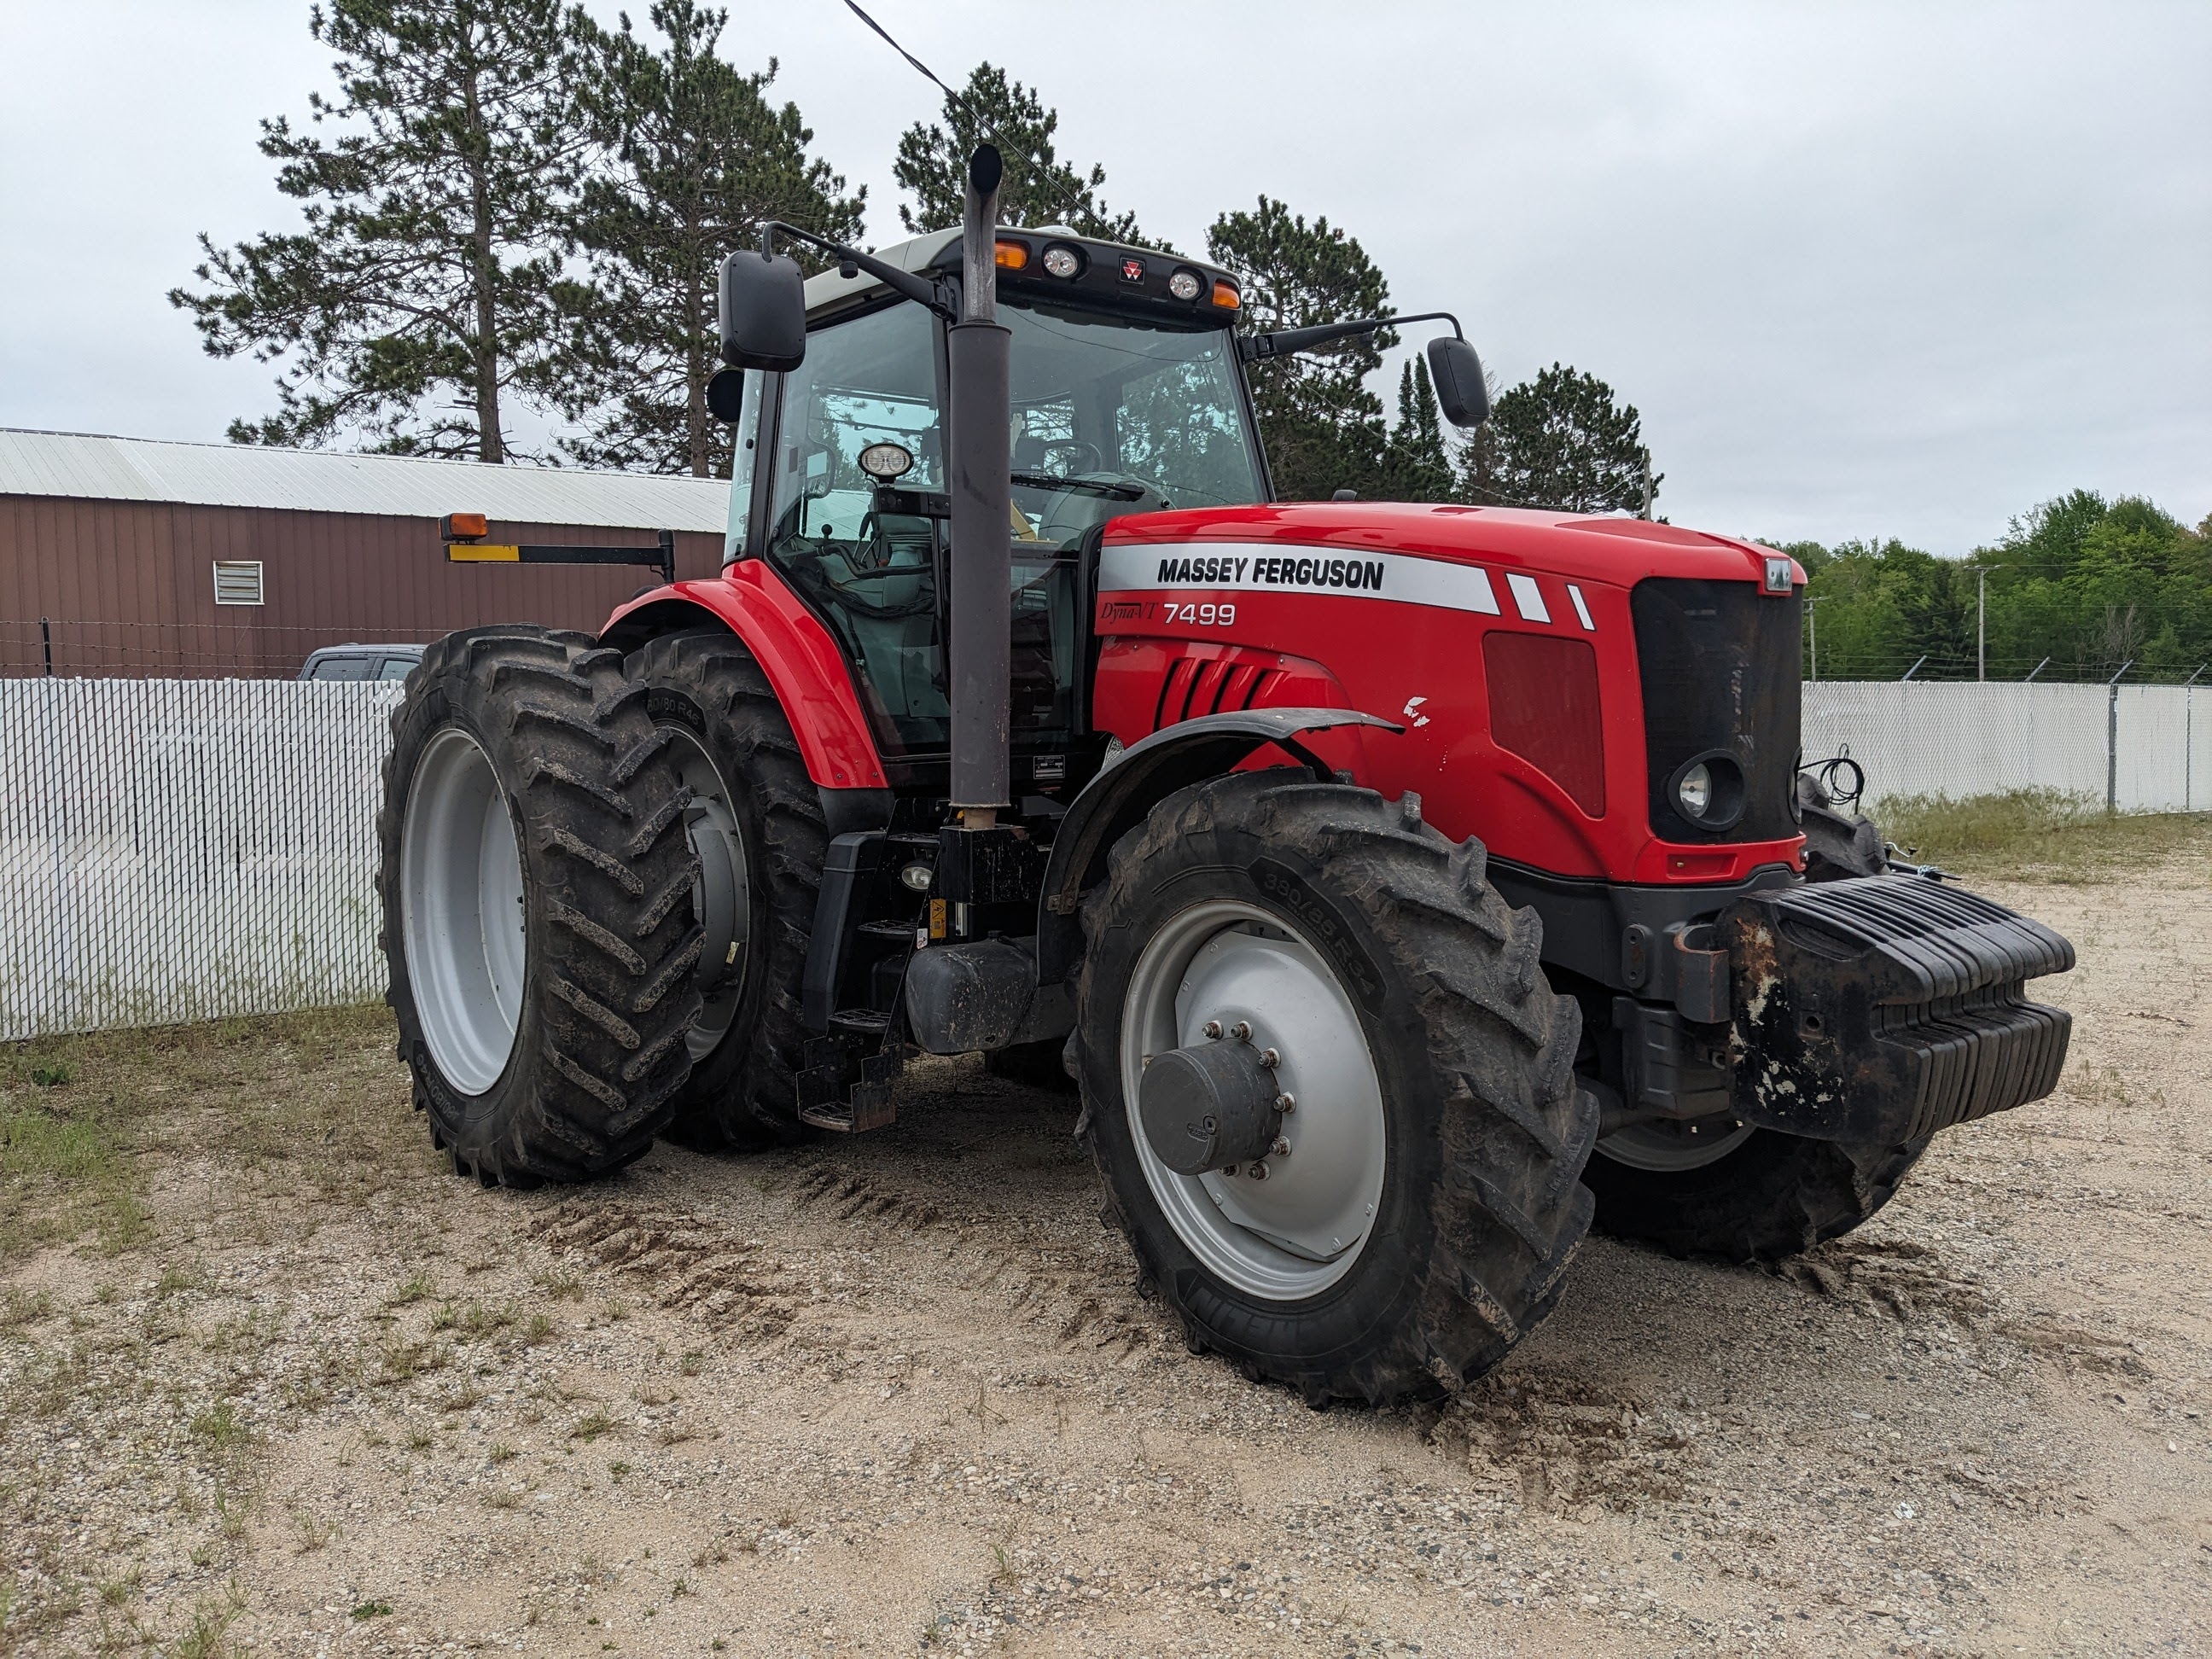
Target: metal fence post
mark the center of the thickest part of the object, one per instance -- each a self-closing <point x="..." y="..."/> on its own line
<point x="2113" y="738"/>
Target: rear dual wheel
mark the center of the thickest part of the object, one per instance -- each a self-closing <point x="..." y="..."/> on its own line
<point x="1407" y="1220"/>
<point x="536" y="885"/>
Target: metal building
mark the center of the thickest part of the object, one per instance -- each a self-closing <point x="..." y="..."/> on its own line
<point x="127" y="556"/>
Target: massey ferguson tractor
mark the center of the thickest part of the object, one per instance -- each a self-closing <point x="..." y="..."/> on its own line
<point x="1406" y="888"/>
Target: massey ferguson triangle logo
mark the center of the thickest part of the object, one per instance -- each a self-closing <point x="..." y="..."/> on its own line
<point x="1270" y="572"/>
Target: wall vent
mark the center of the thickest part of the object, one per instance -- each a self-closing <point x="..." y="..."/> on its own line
<point x="237" y="581"/>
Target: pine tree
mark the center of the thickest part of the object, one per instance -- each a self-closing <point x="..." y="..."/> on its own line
<point x="1560" y="441"/>
<point x="1038" y="188"/>
<point x="1322" y="428"/>
<point x="693" y="157"/>
<point x="1417" y="460"/>
<point x="418" y="294"/>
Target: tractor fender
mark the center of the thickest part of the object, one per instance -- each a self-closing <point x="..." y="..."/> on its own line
<point x="1117" y="800"/>
<point x="793" y="649"/>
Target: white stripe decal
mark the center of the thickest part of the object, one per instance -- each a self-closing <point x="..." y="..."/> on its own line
<point x="1267" y="567"/>
<point x="1582" y="610"/>
<point x="1528" y="598"/>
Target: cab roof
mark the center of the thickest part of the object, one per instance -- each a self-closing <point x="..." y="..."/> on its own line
<point x="828" y="293"/>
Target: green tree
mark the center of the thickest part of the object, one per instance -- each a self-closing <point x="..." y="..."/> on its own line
<point x="693" y="158"/>
<point x="1322" y="428"/>
<point x="1038" y="187"/>
<point x="1417" y="457"/>
<point x="1561" y="441"/>
<point x="419" y="291"/>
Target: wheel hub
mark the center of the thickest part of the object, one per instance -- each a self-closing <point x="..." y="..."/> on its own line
<point x="1225" y="995"/>
<point x="722" y="895"/>
<point x="1210" y="1105"/>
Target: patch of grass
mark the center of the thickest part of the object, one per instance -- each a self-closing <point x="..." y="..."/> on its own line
<point x="500" y="1453"/>
<point x="415" y="1290"/>
<point x="206" y="1637"/>
<point x="66" y="1171"/>
<point x="591" y="1425"/>
<point x="562" y="1285"/>
<point x="220" y="1430"/>
<point x="311" y="1532"/>
<point x="2035" y="835"/>
<point x="363" y="1611"/>
<point x="539" y="1329"/>
<point x="20" y="1308"/>
<point x="472" y="1320"/>
<point x="53" y="1076"/>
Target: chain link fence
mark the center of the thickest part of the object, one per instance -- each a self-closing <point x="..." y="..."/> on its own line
<point x="182" y="849"/>
<point x="178" y="850"/>
<point x="2132" y="748"/>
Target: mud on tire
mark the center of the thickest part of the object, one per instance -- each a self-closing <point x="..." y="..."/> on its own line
<point x="741" y="1094"/>
<point x="609" y="944"/>
<point x="1480" y="1207"/>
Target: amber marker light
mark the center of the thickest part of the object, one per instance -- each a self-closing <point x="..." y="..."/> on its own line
<point x="1225" y="295"/>
<point x="1013" y="256"/>
<point x="464" y="527"/>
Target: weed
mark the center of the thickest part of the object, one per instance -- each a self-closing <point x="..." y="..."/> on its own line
<point x="617" y="1468"/>
<point x="174" y="1281"/>
<point x="105" y="1295"/>
<point x="311" y="1532"/>
<point x="203" y="1555"/>
<point x="416" y="1289"/>
<point x="694" y="1360"/>
<point x="419" y="1440"/>
<point x="211" y="1621"/>
<point x="114" y="1592"/>
<point x="405" y="1361"/>
<point x="53" y="1076"/>
<point x="22" y="1307"/>
<point x="617" y="1312"/>
<point x="591" y="1425"/>
<point x="562" y="1286"/>
<point x="502" y="1452"/>
<point x="539" y="1329"/>
<point x="364" y="1611"/>
<point x="461" y="1399"/>
<point x="220" y="1428"/>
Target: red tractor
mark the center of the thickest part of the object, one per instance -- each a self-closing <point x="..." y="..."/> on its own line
<point x="1406" y="887"/>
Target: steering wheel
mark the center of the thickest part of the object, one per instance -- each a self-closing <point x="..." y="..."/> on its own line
<point x="1082" y="456"/>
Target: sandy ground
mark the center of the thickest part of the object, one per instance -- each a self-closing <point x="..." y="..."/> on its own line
<point x="900" y="1393"/>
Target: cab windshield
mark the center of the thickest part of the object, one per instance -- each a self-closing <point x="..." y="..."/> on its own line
<point x="1110" y="415"/>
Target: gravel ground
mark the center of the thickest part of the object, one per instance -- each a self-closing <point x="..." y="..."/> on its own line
<point x="901" y="1393"/>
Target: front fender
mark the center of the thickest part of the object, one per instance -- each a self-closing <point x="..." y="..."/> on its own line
<point x="801" y="660"/>
<point x="1117" y="800"/>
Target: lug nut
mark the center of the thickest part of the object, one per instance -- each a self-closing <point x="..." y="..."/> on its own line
<point x="1212" y="1028"/>
<point x="1270" y="1059"/>
<point x="1281" y="1148"/>
<point x="1242" y="1030"/>
<point x="1259" y="1171"/>
<point x="1286" y="1103"/>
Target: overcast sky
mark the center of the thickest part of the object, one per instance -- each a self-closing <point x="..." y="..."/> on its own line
<point x="1866" y="270"/>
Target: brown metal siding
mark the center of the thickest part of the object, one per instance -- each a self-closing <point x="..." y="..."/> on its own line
<point x="128" y="588"/>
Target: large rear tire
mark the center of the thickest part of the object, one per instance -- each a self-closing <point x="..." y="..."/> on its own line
<point x="1758" y="1196"/>
<point x="1429" y="1203"/>
<point x="536" y="888"/>
<point x="755" y="822"/>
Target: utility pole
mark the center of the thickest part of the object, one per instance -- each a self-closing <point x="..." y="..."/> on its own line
<point x="1812" y="619"/>
<point x="1982" y="629"/>
<point x="1646" y="485"/>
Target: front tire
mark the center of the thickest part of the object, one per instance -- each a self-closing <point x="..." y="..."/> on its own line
<point x="535" y="888"/>
<point x="1760" y="1196"/>
<point x="1437" y="1204"/>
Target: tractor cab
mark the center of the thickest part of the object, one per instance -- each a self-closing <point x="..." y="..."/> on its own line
<point x="1125" y="397"/>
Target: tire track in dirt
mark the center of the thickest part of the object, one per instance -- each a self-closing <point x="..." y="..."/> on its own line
<point x="688" y="1263"/>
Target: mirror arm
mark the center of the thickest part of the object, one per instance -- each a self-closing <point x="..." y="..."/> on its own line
<point x="1286" y="342"/>
<point x="933" y="294"/>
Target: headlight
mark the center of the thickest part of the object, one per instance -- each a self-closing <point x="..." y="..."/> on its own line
<point x="1693" y="790"/>
<point x="1062" y="261"/>
<point x="1186" y="285"/>
<point x="1708" y="790"/>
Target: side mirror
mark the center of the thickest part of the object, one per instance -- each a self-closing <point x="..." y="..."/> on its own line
<point x="1456" y="373"/>
<point x="725" y="395"/>
<point x="763" y="313"/>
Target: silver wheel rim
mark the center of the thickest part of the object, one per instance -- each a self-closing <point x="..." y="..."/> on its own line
<point x="1298" y="1231"/>
<point x="722" y="897"/>
<point x="1673" y="1145"/>
<point x="461" y="911"/>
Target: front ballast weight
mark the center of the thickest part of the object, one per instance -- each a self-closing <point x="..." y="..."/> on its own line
<point x="1886" y="1008"/>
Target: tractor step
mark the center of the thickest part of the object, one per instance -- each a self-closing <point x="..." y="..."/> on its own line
<point x="849" y="1084"/>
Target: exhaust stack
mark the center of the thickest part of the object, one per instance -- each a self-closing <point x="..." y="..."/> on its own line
<point x="981" y="620"/>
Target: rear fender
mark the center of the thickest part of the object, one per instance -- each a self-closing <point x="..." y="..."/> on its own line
<point x="801" y="661"/>
<point x="1117" y="800"/>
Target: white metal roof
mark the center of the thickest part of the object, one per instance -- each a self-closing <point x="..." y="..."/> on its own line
<point x="86" y="466"/>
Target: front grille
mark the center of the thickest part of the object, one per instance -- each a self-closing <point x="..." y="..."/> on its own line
<point x="1720" y="665"/>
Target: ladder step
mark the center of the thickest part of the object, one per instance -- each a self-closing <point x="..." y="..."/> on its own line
<point x="864" y="1020"/>
<point x="898" y="930"/>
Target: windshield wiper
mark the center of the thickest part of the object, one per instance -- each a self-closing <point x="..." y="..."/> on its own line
<point x="1081" y="486"/>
